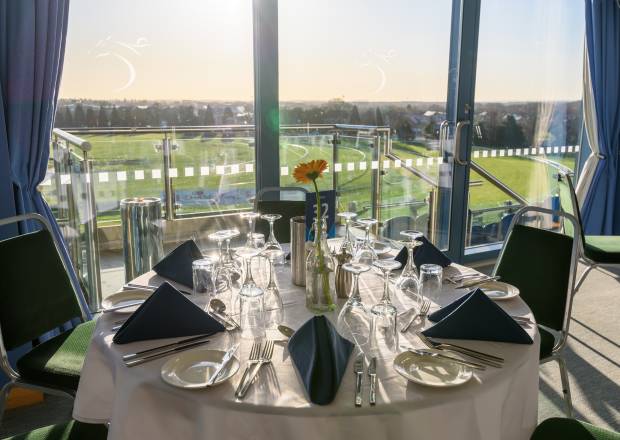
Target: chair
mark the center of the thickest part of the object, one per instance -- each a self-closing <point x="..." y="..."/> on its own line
<point x="287" y="201"/>
<point x="66" y="431"/>
<point x="595" y="250"/>
<point x="39" y="296"/>
<point x="542" y="265"/>
<point x="571" y="429"/>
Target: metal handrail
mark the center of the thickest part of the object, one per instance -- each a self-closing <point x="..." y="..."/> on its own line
<point x="82" y="144"/>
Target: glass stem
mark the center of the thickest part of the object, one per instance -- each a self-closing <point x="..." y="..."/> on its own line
<point x="272" y="274"/>
<point x="220" y="251"/>
<point x="367" y="238"/>
<point x="251" y="233"/>
<point x="272" y="237"/>
<point x="386" y="288"/>
<point x="410" y="265"/>
<point x="248" y="272"/>
<point x="355" y="291"/>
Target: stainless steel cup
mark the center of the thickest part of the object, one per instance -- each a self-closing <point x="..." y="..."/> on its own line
<point x="298" y="250"/>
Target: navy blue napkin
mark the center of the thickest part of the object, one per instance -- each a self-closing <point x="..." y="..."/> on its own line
<point x="167" y="313"/>
<point x="425" y="254"/>
<point x="477" y="317"/>
<point x="320" y="355"/>
<point x="177" y="265"/>
<point x="449" y="308"/>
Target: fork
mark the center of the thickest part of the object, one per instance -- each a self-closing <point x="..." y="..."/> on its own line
<point x="265" y="358"/>
<point x="252" y="360"/>
<point x="426" y="305"/>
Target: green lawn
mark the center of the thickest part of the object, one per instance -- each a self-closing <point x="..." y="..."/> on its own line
<point x="131" y="153"/>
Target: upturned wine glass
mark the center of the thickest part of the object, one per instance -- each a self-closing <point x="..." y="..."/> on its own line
<point x="409" y="282"/>
<point x="250" y="217"/>
<point x="384" y="315"/>
<point x="347" y="243"/>
<point x="274" y="308"/>
<point x="365" y="253"/>
<point x="226" y="266"/>
<point x="273" y="249"/>
<point x="353" y="320"/>
<point x="250" y="299"/>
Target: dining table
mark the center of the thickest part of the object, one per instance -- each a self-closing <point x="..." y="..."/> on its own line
<point x="497" y="403"/>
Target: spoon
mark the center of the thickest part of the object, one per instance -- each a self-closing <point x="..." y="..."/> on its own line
<point x="286" y="331"/>
<point x="218" y="308"/>
<point x="428" y="353"/>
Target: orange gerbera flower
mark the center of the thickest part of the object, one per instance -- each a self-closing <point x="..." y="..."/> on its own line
<point x="309" y="171"/>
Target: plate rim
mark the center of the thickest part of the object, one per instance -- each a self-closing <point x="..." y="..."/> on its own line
<point x="146" y="294"/>
<point x="516" y="293"/>
<point x="235" y="361"/>
<point x="410" y="378"/>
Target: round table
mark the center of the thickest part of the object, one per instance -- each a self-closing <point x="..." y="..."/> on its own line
<point x="495" y="404"/>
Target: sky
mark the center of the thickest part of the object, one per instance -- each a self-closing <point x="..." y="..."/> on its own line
<point x="357" y="50"/>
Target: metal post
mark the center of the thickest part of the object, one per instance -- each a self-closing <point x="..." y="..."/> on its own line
<point x="92" y="237"/>
<point x="335" y="142"/>
<point x="376" y="181"/>
<point x="73" y="222"/>
<point x="168" y="188"/>
<point x="266" y="100"/>
<point x="432" y="215"/>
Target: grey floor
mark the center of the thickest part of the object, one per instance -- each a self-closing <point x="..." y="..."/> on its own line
<point x="593" y="357"/>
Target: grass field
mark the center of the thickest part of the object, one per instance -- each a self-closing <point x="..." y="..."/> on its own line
<point x="202" y="192"/>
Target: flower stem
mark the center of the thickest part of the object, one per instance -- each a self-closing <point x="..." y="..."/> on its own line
<point x="319" y="230"/>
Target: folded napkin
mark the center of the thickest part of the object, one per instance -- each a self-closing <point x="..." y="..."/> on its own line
<point x="475" y="316"/>
<point x="320" y="355"/>
<point x="425" y="254"/>
<point x="177" y="265"/>
<point x="167" y="313"/>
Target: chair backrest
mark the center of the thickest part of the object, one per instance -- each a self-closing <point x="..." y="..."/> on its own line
<point x="542" y="265"/>
<point x="287" y="201"/>
<point x="37" y="295"/>
<point x="393" y="226"/>
<point x="569" y="204"/>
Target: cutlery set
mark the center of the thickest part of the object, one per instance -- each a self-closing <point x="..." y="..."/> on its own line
<point x="255" y="362"/>
<point x="426" y="305"/>
<point x="358" y="370"/>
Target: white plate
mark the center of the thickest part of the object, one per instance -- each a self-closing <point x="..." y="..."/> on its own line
<point x="432" y="372"/>
<point x="192" y="369"/>
<point x="124" y="297"/>
<point x="498" y="291"/>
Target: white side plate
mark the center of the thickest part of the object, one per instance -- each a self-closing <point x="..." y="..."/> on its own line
<point x="430" y="371"/>
<point x="124" y="297"/>
<point x="192" y="369"/>
<point x="499" y="291"/>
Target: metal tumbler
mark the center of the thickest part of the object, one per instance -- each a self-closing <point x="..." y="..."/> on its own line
<point x="298" y="250"/>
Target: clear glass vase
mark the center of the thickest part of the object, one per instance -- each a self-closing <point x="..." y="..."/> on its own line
<point x="320" y="272"/>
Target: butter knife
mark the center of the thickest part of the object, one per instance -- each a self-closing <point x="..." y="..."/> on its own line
<point x="358" y="369"/>
<point x="372" y="372"/>
<point x="225" y="360"/>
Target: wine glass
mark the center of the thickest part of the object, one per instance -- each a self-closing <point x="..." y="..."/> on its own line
<point x="408" y="282"/>
<point x="384" y="315"/>
<point x="365" y="253"/>
<point x="250" y="299"/>
<point x="353" y="320"/>
<point x="273" y="249"/>
<point x="347" y="243"/>
<point x="225" y="266"/>
<point x="251" y="219"/>
<point x="274" y="308"/>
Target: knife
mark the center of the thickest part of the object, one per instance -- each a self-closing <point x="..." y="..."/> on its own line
<point x="358" y="369"/>
<point x="225" y="360"/>
<point x="123" y="306"/>
<point x="473" y="283"/>
<point x="372" y="372"/>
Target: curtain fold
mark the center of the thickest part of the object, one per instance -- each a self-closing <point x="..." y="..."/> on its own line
<point x="601" y="205"/>
<point x="32" y="43"/>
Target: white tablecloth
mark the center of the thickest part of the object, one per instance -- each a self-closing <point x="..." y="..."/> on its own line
<point x="496" y="404"/>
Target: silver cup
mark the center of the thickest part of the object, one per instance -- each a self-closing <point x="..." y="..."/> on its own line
<point x="298" y="250"/>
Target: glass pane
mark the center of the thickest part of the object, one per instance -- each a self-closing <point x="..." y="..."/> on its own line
<point x="380" y="83"/>
<point x="528" y="111"/>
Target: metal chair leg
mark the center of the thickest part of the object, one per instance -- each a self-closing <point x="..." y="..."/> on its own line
<point x="565" y="386"/>
<point x="4" y="394"/>
<point x="583" y="276"/>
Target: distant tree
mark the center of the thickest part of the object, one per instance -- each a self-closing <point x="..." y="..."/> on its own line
<point x="79" y="117"/>
<point x="228" y="117"/>
<point x="404" y="129"/>
<point x="115" y="118"/>
<point x="205" y="116"/>
<point x="60" y="118"/>
<point x="379" y="121"/>
<point x="102" y="118"/>
<point x="429" y="129"/>
<point x="187" y="116"/>
<point x="355" y="119"/>
<point x="511" y="134"/>
<point x="91" y="117"/>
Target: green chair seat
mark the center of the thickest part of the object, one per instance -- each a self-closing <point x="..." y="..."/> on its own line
<point x="547" y="342"/>
<point x="66" y="431"/>
<point x="58" y="361"/>
<point x="603" y="248"/>
<point x="571" y="429"/>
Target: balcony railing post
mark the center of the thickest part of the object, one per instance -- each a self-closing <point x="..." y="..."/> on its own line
<point x="376" y="180"/>
<point x="335" y="142"/>
<point x="168" y="187"/>
<point x="92" y="237"/>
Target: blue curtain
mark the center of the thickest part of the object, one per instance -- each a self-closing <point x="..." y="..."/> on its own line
<point x="32" y="45"/>
<point x="601" y="207"/>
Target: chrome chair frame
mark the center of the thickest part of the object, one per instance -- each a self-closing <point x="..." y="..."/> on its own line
<point x="589" y="263"/>
<point x="15" y="380"/>
<point x="556" y="352"/>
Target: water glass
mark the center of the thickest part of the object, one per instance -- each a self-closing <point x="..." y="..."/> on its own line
<point x="430" y="281"/>
<point x="204" y="277"/>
